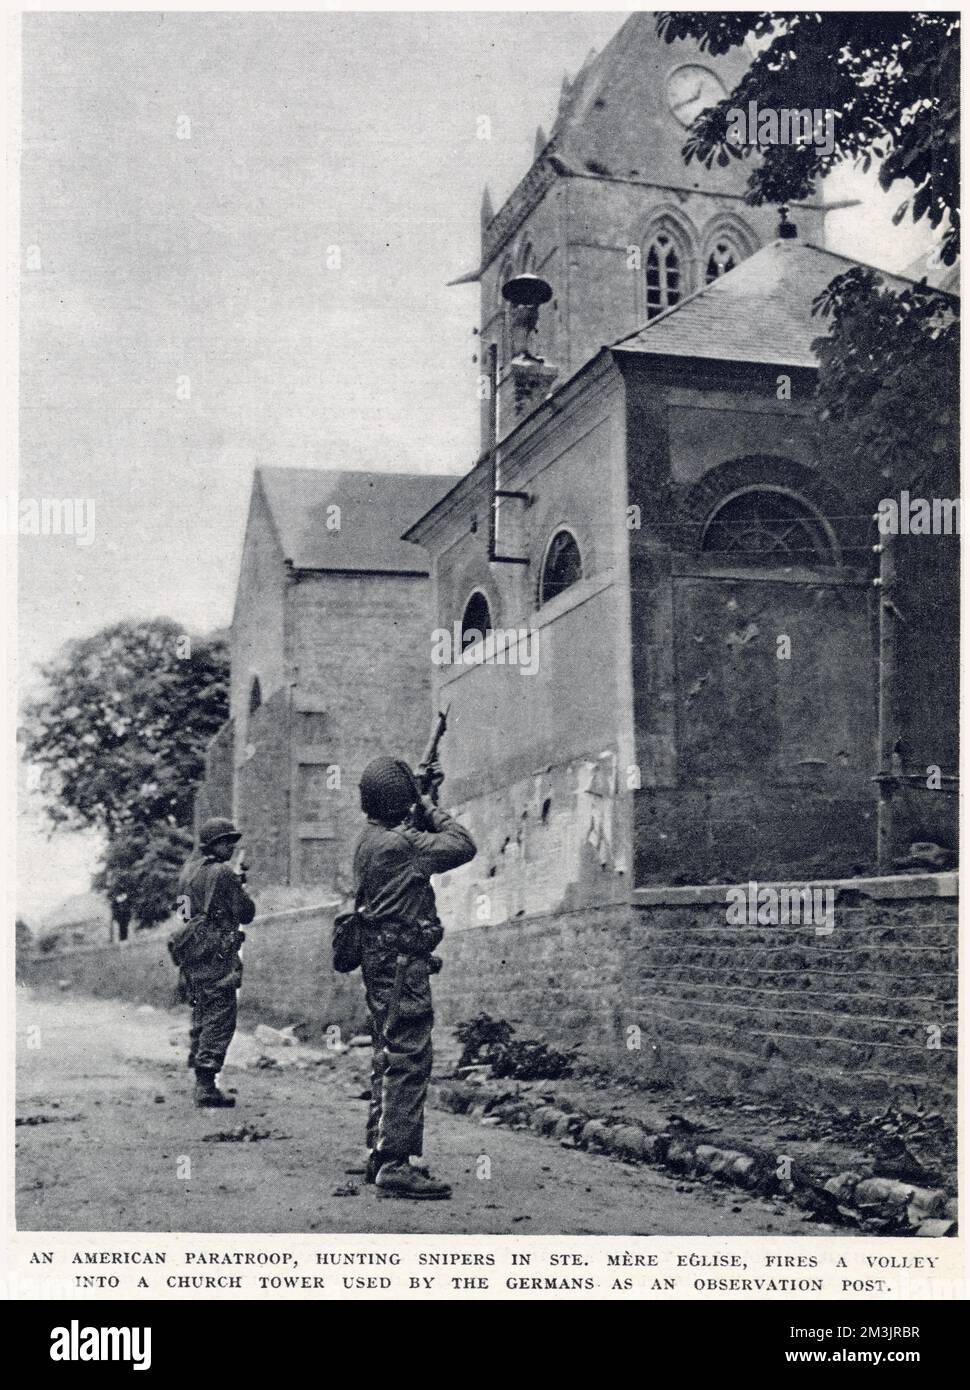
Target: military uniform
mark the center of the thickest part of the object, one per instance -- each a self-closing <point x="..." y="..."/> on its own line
<point x="212" y="985"/>
<point x="392" y="868"/>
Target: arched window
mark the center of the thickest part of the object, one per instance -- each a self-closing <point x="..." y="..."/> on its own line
<point x="723" y="258"/>
<point x="562" y="567"/>
<point x="255" y="695"/>
<point x="476" y="620"/>
<point x="768" y="526"/>
<point x="664" y="272"/>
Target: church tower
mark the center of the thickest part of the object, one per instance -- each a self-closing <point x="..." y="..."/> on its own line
<point x="611" y="216"/>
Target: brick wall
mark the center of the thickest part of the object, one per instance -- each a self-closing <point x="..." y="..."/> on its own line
<point x="726" y="1008"/>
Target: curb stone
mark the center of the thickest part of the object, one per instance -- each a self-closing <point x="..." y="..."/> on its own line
<point x="874" y="1203"/>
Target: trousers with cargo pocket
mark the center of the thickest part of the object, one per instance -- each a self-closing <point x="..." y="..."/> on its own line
<point x="214" y="1007"/>
<point x="401" y="1066"/>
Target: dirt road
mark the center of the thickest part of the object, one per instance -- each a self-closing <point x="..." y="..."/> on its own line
<point x="108" y="1140"/>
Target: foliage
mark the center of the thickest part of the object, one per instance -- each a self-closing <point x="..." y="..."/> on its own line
<point x="487" y="1041"/>
<point x="140" y="870"/>
<point x="24" y="938"/>
<point x="891" y="373"/>
<point x="120" y="730"/>
<point x="889" y="367"/>
<point x="891" y="79"/>
<point x="119" y="734"/>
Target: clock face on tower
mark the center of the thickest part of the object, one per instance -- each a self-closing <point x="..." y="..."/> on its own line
<point x="692" y="88"/>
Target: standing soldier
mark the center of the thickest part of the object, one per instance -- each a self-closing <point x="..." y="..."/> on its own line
<point x="406" y="840"/>
<point x="210" y="888"/>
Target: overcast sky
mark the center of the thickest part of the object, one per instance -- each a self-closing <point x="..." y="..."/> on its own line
<point x="155" y="259"/>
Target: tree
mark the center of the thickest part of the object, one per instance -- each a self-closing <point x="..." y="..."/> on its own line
<point x="119" y="734"/>
<point x="139" y="874"/>
<point x="121" y="729"/>
<point x="888" y="369"/>
<point x="891" y="79"/>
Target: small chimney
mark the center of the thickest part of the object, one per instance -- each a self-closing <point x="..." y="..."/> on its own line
<point x="786" y="230"/>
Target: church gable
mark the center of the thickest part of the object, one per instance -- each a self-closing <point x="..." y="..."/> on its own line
<point x="258" y="662"/>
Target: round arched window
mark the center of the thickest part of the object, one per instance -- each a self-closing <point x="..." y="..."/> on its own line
<point x="562" y="567"/>
<point x="767" y="526"/>
<point x="476" y="620"/>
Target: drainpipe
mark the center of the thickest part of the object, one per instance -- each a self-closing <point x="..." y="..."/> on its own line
<point x="888" y="734"/>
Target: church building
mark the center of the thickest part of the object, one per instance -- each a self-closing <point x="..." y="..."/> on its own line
<point x="679" y="567"/>
<point x="328" y="665"/>
<point x="666" y="583"/>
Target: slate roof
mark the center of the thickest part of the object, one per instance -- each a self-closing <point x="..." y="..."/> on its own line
<point x="759" y="312"/>
<point x="374" y="509"/>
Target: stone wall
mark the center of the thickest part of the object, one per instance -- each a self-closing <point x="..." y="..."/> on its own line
<point x="263" y="791"/>
<point x="738" y="1009"/>
<point x="767" y="764"/>
<point x="214" y="796"/>
<point x="663" y="989"/>
<point x="363" y="646"/>
<point x="286" y="962"/>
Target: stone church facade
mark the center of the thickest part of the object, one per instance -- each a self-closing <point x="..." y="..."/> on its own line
<point x="692" y="699"/>
<point x="690" y="555"/>
<point x="328" y="653"/>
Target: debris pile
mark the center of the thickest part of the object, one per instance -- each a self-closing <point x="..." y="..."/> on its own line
<point x="242" y="1134"/>
<point x="489" y="1048"/>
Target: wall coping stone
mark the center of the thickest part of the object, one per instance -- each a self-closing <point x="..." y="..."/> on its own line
<point x="889" y="887"/>
<point x="151" y="938"/>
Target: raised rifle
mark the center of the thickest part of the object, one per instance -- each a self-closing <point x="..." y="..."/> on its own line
<point x="423" y="774"/>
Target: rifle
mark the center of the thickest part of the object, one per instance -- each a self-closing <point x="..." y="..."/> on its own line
<point x="423" y="774"/>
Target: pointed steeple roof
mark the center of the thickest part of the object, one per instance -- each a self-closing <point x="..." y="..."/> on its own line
<point x="616" y="116"/>
<point x="488" y="212"/>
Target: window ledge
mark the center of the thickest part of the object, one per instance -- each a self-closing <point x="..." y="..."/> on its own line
<point x="572" y="597"/>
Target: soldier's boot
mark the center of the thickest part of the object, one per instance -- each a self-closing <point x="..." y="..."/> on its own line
<point x="397" y="1178"/>
<point x="376" y="1161"/>
<point x="207" y="1093"/>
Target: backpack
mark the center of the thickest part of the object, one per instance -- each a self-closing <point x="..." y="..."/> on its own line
<point x="347" y="940"/>
<point x="191" y="944"/>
